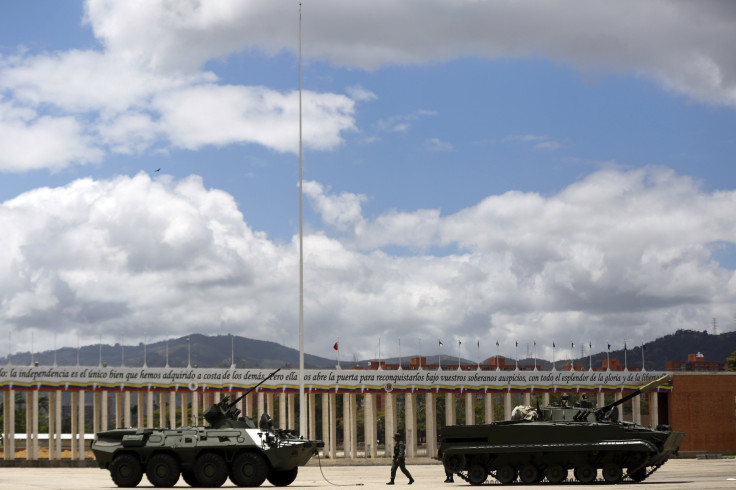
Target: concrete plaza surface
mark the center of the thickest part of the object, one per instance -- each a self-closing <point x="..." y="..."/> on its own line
<point x="679" y="474"/>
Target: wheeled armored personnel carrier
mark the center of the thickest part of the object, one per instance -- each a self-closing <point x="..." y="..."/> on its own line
<point x="547" y="442"/>
<point x="205" y="456"/>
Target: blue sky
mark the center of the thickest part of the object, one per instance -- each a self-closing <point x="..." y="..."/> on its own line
<point x="489" y="170"/>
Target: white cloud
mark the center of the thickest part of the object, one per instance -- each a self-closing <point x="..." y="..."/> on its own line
<point x="436" y="144"/>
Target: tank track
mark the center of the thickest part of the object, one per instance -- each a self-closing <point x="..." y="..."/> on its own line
<point x="625" y="479"/>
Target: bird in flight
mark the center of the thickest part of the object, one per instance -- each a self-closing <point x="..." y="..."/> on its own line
<point x="158" y="170"/>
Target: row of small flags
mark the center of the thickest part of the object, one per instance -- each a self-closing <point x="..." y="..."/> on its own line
<point x="459" y="342"/>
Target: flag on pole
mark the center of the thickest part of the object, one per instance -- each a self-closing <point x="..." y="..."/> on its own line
<point x="553" y="344"/>
<point x="479" y="343"/>
<point x="441" y="344"/>
<point x="497" y="343"/>
<point x="337" y="345"/>
<point x="609" y="346"/>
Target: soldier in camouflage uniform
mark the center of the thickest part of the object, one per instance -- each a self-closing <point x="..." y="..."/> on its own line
<point x="399" y="460"/>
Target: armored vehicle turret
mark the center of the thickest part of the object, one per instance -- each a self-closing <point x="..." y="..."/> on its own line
<point x="205" y="456"/>
<point x="547" y="442"/>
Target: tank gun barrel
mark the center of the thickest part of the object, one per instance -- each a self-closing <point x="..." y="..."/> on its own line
<point x="234" y="402"/>
<point x="644" y="389"/>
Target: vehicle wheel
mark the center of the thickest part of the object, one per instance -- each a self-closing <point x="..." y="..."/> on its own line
<point x="639" y="474"/>
<point x="585" y="473"/>
<point x="612" y="472"/>
<point x="126" y="470"/>
<point x="506" y="474"/>
<point x="163" y="470"/>
<point x="477" y="474"/>
<point x="249" y="470"/>
<point x="282" y="478"/>
<point x="455" y="462"/>
<point x="210" y="470"/>
<point x="189" y="479"/>
<point x="555" y="473"/>
<point x="528" y="473"/>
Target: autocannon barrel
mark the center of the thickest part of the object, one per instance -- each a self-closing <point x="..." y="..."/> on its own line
<point x="644" y="389"/>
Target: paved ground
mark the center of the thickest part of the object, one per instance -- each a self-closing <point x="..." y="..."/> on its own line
<point x="677" y="474"/>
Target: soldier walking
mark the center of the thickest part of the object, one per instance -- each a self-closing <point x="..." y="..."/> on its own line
<point x="399" y="460"/>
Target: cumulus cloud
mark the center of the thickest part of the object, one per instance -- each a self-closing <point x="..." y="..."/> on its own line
<point x="619" y="253"/>
<point x="685" y="46"/>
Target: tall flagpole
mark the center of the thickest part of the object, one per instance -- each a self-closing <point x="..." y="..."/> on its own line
<point x="302" y="399"/>
<point x="642" y="357"/>
<point x="459" y="343"/>
<point x="439" y="358"/>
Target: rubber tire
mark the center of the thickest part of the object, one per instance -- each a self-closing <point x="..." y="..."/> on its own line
<point x="249" y="469"/>
<point x="638" y="475"/>
<point x="126" y="470"/>
<point x="506" y="474"/>
<point x="282" y="478"/>
<point x="555" y="473"/>
<point x="477" y="474"/>
<point x="163" y="470"/>
<point x="210" y="470"/>
<point x="529" y="473"/>
<point x="612" y="472"/>
<point x="189" y="479"/>
<point x="586" y="473"/>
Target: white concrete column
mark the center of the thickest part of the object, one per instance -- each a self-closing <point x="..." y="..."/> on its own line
<point x="29" y="424"/>
<point x="34" y="426"/>
<point x="469" y="409"/>
<point x="141" y="409"/>
<point x="270" y="408"/>
<point x="620" y="408"/>
<point x="312" y="416"/>
<point x="95" y="411"/>
<point x="390" y="423"/>
<point x="172" y="409"/>
<point x="195" y="408"/>
<point x="410" y="422"/>
<point x="545" y="399"/>
<point x="346" y="426"/>
<point x="290" y="412"/>
<point x="654" y="409"/>
<point x="80" y="424"/>
<point x="52" y="425"/>
<point x="636" y="409"/>
<point x="247" y="406"/>
<point x="527" y="398"/>
<point x="105" y="398"/>
<point x="282" y="422"/>
<point x="149" y="409"/>
<point x="370" y="426"/>
<point x="57" y="423"/>
<point x="488" y="408"/>
<point x="126" y="410"/>
<point x="450" y="415"/>
<point x="161" y="409"/>
<point x="333" y="425"/>
<point x="431" y="423"/>
<point x="353" y="425"/>
<point x="9" y="425"/>
<point x="601" y="400"/>
<point x="75" y="431"/>
<point x="326" y="423"/>
<point x="507" y="408"/>
<point x="118" y="409"/>
<point x="261" y="406"/>
<point x="184" y="409"/>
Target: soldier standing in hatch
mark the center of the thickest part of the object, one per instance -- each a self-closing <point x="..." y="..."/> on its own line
<point x="399" y="460"/>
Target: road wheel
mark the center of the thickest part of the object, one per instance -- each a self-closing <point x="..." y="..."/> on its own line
<point x="612" y="472"/>
<point x="126" y="470"/>
<point x="163" y="470"/>
<point x="454" y="462"/>
<point x="506" y="474"/>
<point x="249" y="469"/>
<point x="556" y="473"/>
<point x="528" y="473"/>
<point x="477" y="474"/>
<point x="585" y="473"/>
<point x="210" y="470"/>
<point x="282" y="478"/>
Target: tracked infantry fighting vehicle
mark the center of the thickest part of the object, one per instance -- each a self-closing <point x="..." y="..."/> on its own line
<point x="547" y="442"/>
<point x="231" y="446"/>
